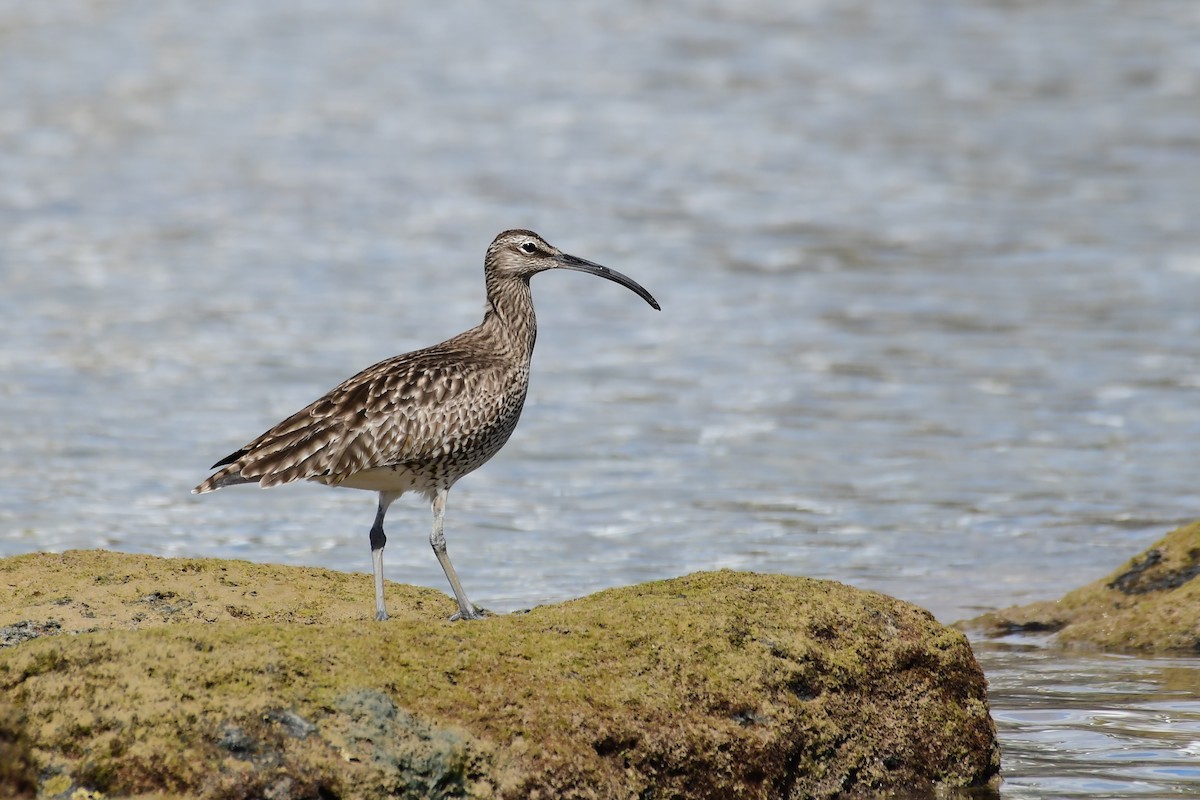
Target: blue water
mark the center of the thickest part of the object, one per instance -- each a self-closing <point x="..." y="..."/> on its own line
<point x="1093" y="725"/>
<point x="929" y="278"/>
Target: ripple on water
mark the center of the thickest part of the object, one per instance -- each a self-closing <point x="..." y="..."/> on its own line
<point x="1093" y="725"/>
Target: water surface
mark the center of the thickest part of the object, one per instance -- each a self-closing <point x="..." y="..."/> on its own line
<point x="1093" y="725"/>
<point x="929" y="278"/>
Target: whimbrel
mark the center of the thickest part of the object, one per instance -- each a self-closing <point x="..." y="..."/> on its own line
<point x="422" y="420"/>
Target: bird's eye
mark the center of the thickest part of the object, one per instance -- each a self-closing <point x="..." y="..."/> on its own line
<point x="529" y="248"/>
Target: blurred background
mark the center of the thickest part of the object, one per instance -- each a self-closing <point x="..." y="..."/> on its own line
<point x="929" y="273"/>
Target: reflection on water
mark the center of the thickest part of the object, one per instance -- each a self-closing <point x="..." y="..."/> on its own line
<point x="929" y="276"/>
<point x="1093" y="725"/>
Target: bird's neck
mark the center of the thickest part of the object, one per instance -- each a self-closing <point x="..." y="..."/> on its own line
<point x="509" y="318"/>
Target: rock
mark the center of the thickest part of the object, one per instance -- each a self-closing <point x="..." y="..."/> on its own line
<point x="18" y="771"/>
<point x="1150" y="605"/>
<point x="224" y="679"/>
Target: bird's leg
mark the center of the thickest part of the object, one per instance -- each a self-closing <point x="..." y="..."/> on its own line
<point x="378" y="540"/>
<point x="438" y="540"/>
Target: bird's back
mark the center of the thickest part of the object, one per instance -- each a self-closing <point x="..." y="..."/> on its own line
<point x="413" y="421"/>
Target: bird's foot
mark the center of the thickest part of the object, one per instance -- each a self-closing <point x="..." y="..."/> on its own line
<point x="473" y="613"/>
<point x="381" y="615"/>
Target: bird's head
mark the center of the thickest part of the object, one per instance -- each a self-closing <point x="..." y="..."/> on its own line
<point x="520" y="254"/>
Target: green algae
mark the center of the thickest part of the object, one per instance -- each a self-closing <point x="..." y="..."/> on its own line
<point x="718" y="684"/>
<point x="1151" y="604"/>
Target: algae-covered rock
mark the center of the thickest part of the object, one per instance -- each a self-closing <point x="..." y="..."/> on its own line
<point x="134" y="675"/>
<point x="17" y="769"/>
<point x="1151" y="604"/>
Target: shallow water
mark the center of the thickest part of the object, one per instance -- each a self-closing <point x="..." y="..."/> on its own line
<point x="1093" y="725"/>
<point x="929" y="278"/>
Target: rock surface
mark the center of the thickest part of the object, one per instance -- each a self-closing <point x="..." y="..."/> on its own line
<point x="133" y="675"/>
<point x="1150" y="605"/>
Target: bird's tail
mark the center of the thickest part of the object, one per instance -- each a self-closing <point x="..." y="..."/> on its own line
<point x="229" y="476"/>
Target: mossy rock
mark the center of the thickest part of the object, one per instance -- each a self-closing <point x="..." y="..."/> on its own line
<point x="141" y="676"/>
<point x="1151" y="604"/>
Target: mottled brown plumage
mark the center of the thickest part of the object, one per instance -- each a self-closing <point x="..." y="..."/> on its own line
<point x="422" y="420"/>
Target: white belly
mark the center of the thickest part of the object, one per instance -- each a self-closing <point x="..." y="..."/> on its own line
<point x="386" y="479"/>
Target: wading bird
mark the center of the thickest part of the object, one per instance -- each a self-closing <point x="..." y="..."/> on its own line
<point x="422" y="420"/>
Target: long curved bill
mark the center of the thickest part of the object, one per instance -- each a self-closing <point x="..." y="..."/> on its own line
<point x="566" y="261"/>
